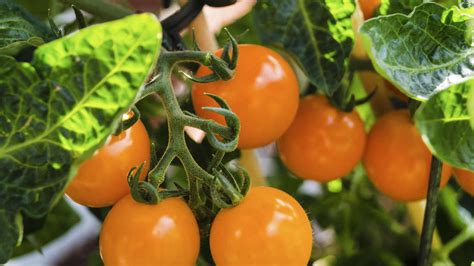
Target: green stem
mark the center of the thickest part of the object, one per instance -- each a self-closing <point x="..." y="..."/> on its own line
<point x="361" y="64"/>
<point x="466" y="234"/>
<point x="207" y="125"/>
<point x="100" y="8"/>
<point x="177" y="120"/>
<point x="429" y="221"/>
<point x="157" y="174"/>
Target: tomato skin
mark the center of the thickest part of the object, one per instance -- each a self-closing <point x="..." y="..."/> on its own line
<point x="465" y="179"/>
<point x="263" y="93"/>
<point x="268" y="227"/>
<point x="140" y="234"/>
<point x="368" y="7"/>
<point x="397" y="160"/>
<point x="102" y="179"/>
<point x="395" y="90"/>
<point x="323" y="143"/>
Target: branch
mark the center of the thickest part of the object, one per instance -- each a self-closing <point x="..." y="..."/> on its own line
<point x="100" y="8"/>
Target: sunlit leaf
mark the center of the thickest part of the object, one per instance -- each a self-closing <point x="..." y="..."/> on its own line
<point x="56" y="111"/>
<point x="444" y="124"/>
<point x="423" y="53"/>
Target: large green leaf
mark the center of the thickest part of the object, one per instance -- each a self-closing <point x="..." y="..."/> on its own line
<point x="318" y="33"/>
<point x="443" y="122"/>
<point x="57" y="111"/>
<point x="398" y="6"/>
<point x="470" y="107"/>
<point x="425" y="52"/>
<point x="61" y="218"/>
<point x="18" y="29"/>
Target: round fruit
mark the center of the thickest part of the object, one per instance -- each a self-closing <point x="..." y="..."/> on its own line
<point x="140" y="234"/>
<point x="268" y="227"/>
<point x="263" y="93"/>
<point x="397" y="160"/>
<point x="323" y="143"/>
<point x="102" y="180"/>
<point x="395" y="90"/>
<point x="465" y="179"/>
<point x="368" y="7"/>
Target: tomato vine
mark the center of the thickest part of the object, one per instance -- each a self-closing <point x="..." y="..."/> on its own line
<point x="320" y="81"/>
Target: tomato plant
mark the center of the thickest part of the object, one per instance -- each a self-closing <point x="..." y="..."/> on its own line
<point x="237" y="239"/>
<point x="263" y="94"/>
<point x="102" y="180"/>
<point x="397" y="161"/>
<point x="141" y="234"/>
<point x="465" y="180"/>
<point x="176" y="180"/>
<point x="368" y="7"/>
<point x="323" y="143"/>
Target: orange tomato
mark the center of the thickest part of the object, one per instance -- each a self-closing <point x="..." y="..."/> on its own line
<point x="102" y="180"/>
<point x="395" y="90"/>
<point x="268" y="227"/>
<point x="263" y="93"/>
<point x="140" y="234"/>
<point x="368" y="7"/>
<point x="323" y="143"/>
<point x="465" y="179"/>
<point x="397" y="160"/>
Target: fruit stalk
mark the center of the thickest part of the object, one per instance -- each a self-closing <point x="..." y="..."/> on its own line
<point x="429" y="221"/>
<point x="100" y="8"/>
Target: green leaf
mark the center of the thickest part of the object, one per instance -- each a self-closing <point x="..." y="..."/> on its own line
<point x="57" y="111"/>
<point x="425" y="52"/>
<point x="444" y="124"/>
<point x="398" y="6"/>
<point x="61" y="218"/>
<point x="470" y="107"/>
<point x="18" y="29"/>
<point x="318" y="33"/>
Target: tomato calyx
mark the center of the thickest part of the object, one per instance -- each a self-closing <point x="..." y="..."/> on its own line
<point x="229" y="189"/>
<point x="215" y="63"/>
<point x="347" y="104"/>
<point x="146" y="192"/>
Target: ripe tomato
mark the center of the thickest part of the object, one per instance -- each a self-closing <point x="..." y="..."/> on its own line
<point x="395" y="90"/>
<point x="465" y="179"/>
<point x="102" y="180"/>
<point x="140" y="234"/>
<point x="397" y="160"/>
<point x="268" y="227"/>
<point x="323" y="143"/>
<point x="263" y="93"/>
<point x="368" y="7"/>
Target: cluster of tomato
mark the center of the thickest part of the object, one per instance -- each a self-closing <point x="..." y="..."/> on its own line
<point x="315" y="141"/>
<point x="257" y="231"/>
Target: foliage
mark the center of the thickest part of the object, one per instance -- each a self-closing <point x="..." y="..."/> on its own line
<point x="57" y="110"/>
<point x="424" y="52"/>
<point x="317" y="33"/>
<point x="19" y="29"/>
<point x="443" y="121"/>
<point x="59" y="106"/>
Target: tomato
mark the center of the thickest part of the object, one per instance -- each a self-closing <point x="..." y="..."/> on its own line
<point x="395" y="90"/>
<point x="263" y="93"/>
<point x="102" y="180"/>
<point x="368" y="7"/>
<point x="323" y="143"/>
<point x="141" y="234"/>
<point x="465" y="179"/>
<point x="268" y="227"/>
<point x="397" y="160"/>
